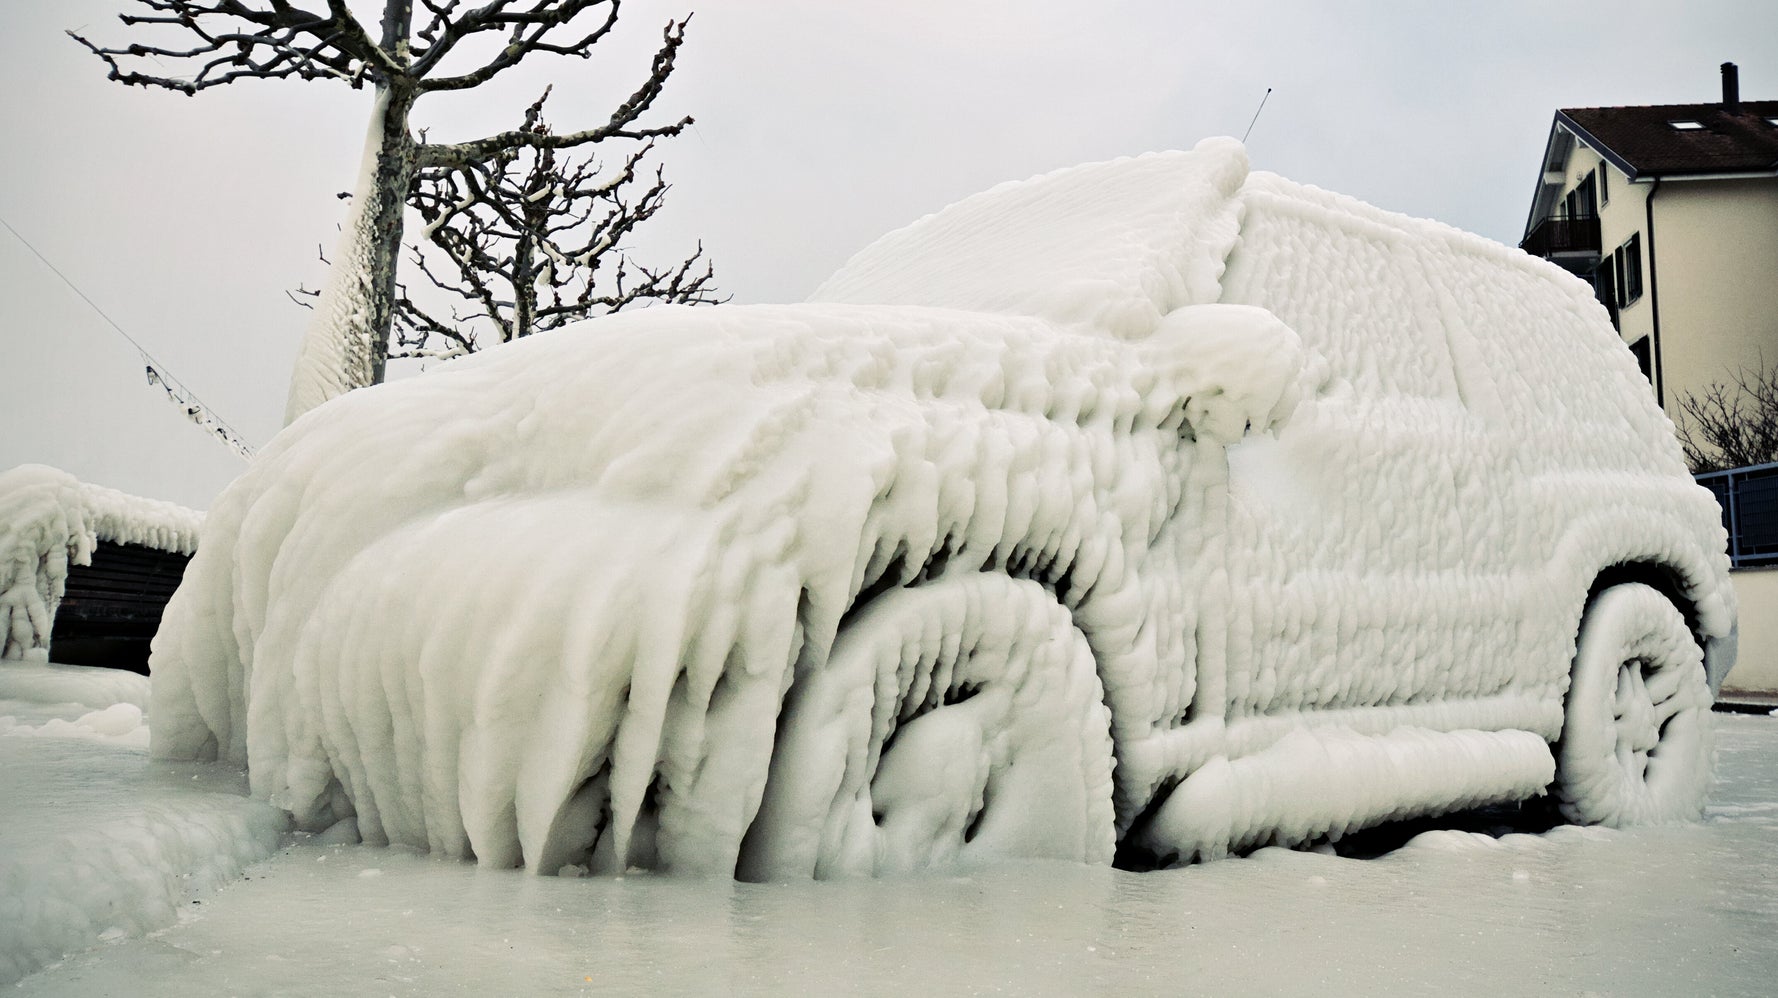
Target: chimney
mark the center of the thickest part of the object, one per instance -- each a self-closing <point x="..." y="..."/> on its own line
<point x="1731" y="88"/>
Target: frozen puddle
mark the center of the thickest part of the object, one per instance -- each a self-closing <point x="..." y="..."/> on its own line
<point x="98" y="843"/>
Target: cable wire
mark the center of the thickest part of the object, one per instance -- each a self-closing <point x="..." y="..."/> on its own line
<point x="195" y="409"/>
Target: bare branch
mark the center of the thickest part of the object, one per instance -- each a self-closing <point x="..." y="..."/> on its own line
<point x="228" y="40"/>
<point x="415" y="328"/>
<point x="528" y="30"/>
<point x="1731" y="424"/>
<point x="534" y="239"/>
<point x="621" y="124"/>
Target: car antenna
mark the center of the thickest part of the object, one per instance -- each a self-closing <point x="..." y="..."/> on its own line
<point x="1262" y="107"/>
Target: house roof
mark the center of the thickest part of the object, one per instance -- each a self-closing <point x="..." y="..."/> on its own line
<point x="1644" y="141"/>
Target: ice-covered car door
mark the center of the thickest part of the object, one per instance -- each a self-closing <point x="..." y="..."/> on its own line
<point x="1365" y="537"/>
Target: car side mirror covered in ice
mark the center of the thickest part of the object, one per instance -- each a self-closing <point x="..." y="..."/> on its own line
<point x="1238" y="367"/>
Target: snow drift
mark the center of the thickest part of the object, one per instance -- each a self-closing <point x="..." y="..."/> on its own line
<point x="49" y="521"/>
<point x="1129" y="504"/>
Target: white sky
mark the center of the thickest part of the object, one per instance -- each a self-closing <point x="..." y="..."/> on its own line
<point x="821" y="125"/>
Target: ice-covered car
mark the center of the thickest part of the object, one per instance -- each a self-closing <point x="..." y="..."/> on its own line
<point x="1150" y="503"/>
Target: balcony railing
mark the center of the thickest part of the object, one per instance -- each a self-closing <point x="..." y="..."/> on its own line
<point x="1572" y="234"/>
<point x="1749" y="499"/>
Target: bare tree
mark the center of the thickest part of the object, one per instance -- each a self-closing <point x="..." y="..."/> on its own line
<point x="217" y="42"/>
<point x="531" y="239"/>
<point x="1733" y="424"/>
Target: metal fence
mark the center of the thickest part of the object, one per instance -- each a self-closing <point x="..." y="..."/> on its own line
<point x="1749" y="500"/>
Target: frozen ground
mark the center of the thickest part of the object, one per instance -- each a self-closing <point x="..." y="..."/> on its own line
<point x="97" y="842"/>
<point x="1665" y="911"/>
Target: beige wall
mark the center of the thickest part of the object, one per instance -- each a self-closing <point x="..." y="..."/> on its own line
<point x="1625" y="216"/>
<point x="1716" y="265"/>
<point x="1756" y="668"/>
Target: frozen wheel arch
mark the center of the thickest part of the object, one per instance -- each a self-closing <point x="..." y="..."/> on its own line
<point x="1148" y="501"/>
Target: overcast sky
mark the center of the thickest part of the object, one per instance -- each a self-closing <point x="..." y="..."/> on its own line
<point x="821" y="124"/>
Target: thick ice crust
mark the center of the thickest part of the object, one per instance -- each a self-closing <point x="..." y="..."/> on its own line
<point x="1319" y="492"/>
<point x="49" y="521"/>
<point x="599" y="561"/>
<point x="1109" y="246"/>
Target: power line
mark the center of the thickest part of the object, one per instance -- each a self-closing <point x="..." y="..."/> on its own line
<point x="157" y="373"/>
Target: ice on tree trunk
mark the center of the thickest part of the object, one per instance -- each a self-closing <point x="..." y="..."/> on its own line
<point x="1140" y="482"/>
<point x="342" y="348"/>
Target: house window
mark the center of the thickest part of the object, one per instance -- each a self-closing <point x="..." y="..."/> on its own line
<point x="1683" y="125"/>
<point x="1604" y="185"/>
<point x="1644" y="358"/>
<point x="1586" y="201"/>
<point x="1605" y="288"/>
<point x="1625" y="266"/>
<point x="1630" y="269"/>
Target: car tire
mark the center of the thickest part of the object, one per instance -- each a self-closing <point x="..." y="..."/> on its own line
<point x="1635" y="745"/>
<point x="956" y="719"/>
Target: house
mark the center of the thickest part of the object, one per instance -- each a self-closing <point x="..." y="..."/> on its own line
<point x="1671" y="211"/>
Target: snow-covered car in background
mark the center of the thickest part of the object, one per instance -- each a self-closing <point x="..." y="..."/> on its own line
<point x="1151" y="503"/>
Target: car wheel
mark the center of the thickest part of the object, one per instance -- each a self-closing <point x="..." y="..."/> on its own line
<point x="1635" y="736"/>
<point x="955" y="719"/>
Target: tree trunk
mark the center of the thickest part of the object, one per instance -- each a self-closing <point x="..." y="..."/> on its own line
<point x="348" y="338"/>
<point x="524" y="270"/>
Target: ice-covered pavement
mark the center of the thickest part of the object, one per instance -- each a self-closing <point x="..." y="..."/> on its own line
<point x="96" y="841"/>
<point x="1663" y="911"/>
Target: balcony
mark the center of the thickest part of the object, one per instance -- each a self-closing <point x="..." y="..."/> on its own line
<point x="1569" y="237"/>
